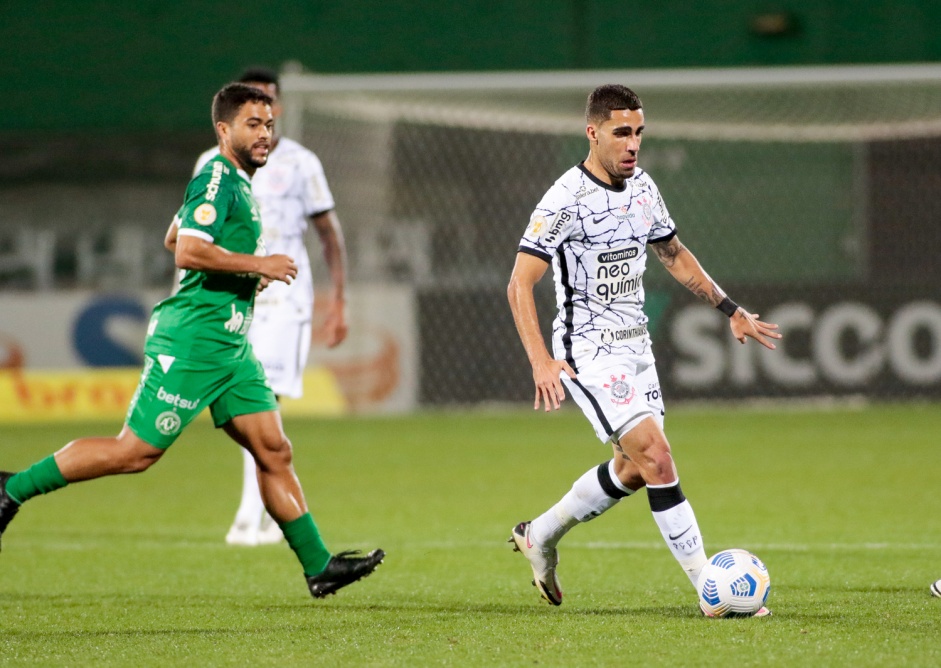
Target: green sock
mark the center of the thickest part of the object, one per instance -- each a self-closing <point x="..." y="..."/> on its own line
<point x="40" y="478"/>
<point x="304" y="538"/>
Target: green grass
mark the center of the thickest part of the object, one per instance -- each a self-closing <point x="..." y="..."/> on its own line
<point x="842" y="506"/>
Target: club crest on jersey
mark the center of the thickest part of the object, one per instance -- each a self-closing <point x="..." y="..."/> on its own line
<point x="205" y="214"/>
<point x="622" y="392"/>
<point x="648" y="211"/>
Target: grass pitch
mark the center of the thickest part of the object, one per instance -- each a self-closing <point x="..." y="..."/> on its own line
<point x="841" y="505"/>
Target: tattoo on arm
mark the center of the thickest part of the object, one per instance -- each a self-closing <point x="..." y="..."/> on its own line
<point x="668" y="251"/>
<point x="696" y="288"/>
<point x="709" y="294"/>
<point x="716" y="296"/>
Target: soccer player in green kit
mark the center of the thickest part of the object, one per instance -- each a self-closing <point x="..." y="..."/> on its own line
<point x="197" y="355"/>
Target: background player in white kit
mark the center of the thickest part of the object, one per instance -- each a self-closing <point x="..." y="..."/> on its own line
<point x="292" y="192"/>
<point x="594" y="226"/>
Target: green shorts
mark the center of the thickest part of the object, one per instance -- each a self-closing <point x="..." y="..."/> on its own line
<point x="173" y="391"/>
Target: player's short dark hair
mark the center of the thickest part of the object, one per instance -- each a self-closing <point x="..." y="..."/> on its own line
<point x="228" y="101"/>
<point x="264" y="75"/>
<point x="610" y="97"/>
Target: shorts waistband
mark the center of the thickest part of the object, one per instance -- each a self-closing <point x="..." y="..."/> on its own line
<point x="626" y="334"/>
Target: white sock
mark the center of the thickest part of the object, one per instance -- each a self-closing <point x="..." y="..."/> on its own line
<point x="591" y="495"/>
<point x="251" y="506"/>
<point x="677" y="522"/>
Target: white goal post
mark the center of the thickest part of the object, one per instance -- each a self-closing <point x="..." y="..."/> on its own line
<point x="487" y="94"/>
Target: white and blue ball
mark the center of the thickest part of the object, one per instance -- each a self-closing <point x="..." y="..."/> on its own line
<point x="734" y="583"/>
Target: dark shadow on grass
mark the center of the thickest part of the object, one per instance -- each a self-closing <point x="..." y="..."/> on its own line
<point x="261" y="605"/>
<point x="496" y="609"/>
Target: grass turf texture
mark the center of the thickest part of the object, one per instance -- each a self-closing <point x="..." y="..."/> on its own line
<point x="841" y="505"/>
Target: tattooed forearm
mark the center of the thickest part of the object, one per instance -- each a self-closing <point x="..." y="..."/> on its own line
<point x="668" y="251"/>
<point x="709" y="294"/>
<point x="686" y="269"/>
<point x="697" y="289"/>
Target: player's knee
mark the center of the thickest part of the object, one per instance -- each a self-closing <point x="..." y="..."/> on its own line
<point x="653" y="458"/>
<point x="274" y="452"/>
<point x="138" y="464"/>
<point x="660" y="469"/>
<point x="130" y="454"/>
<point x="135" y="461"/>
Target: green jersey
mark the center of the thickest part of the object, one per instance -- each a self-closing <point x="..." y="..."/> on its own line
<point x="208" y="317"/>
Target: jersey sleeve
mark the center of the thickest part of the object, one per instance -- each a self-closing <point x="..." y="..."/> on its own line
<point x="317" y="197"/>
<point x="663" y="227"/>
<point x="551" y="223"/>
<point x="208" y="202"/>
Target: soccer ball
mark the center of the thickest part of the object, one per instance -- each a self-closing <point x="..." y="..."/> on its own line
<point x="734" y="583"/>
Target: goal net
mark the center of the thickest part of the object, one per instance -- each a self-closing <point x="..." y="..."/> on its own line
<point x="811" y="195"/>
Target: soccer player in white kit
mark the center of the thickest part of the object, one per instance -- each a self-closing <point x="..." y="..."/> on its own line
<point x="292" y="192"/>
<point x="594" y="226"/>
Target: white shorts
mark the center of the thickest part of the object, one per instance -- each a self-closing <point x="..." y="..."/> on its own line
<point x="281" y="345"/>
<point x="616" y="393"/>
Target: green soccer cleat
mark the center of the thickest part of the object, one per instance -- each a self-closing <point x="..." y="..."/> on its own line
<point x="343" y="569"/>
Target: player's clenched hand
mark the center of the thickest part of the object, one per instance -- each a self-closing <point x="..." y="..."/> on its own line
<point x="278" y="268"/>
<point x="548" y="383"/>
<point x="263" y="282"/>
<point x="745" y="324"/>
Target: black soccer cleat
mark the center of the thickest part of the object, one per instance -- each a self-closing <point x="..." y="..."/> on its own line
<point x="8" y="507"/>
<point x="343" y="569"/>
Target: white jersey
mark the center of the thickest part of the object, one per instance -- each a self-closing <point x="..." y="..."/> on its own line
<point x="596" y="238"/>
<point x="289" y="189"/>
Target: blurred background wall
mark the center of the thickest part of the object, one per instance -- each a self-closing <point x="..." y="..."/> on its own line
<point x="149" y="66"/>
<point x="107" y="106"/>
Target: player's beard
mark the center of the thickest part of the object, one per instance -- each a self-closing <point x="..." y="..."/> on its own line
<point x="617" y="172"/>
<point x="246" y="159"/>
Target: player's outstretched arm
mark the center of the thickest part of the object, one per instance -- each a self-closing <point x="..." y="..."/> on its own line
<point x="200" y="255"/>
<point x="685" y="268"/>
<point x="526" y="273"/>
